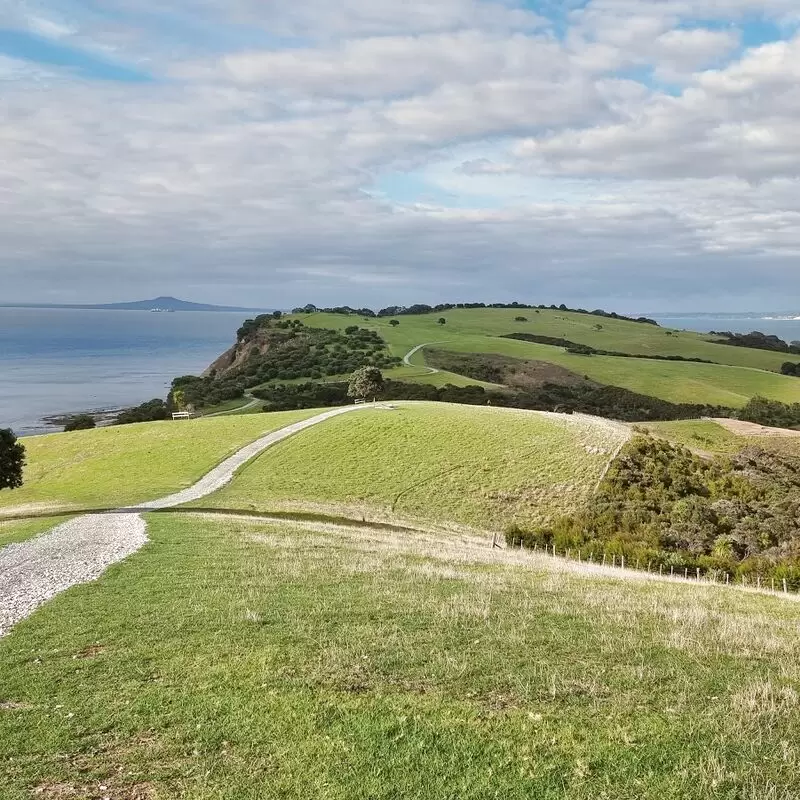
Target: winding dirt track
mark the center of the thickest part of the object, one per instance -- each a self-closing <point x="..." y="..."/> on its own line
<point x="79" y="551"/>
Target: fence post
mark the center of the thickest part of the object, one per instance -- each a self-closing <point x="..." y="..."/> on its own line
<point x="579" y="556"/>
<point x="622" y="561"/>
<point x="494" y="541"/>
<point x="685" y="573"/>
<point x="567" y="556"/>
<point x="784" y="585"/>
<point x="613" y="559"/>
<point x="604" y="557"/>
<point x="758" y="581"/>
<point x="660" y="569"/>
<point x="727" y="578"/>
<point x="637" y="563"/>
<point x="554" y="551"/>
<point x="672" y="570"/>
<point x="772" y="581"/>
<point x="698" y="573"/>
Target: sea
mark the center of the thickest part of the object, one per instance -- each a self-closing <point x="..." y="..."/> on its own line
<point x="62" y="361"/>
<point x="55" y="362"/>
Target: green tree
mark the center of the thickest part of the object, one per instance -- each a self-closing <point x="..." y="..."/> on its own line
<point x="80" y="422"/>
<point x="12" y="460"/>
<point x="441" y="321"/>
<point x="366" y="382"/>
<point x="394" y="323"/>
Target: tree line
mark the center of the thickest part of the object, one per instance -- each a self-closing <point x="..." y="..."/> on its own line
<point x="424" y="308"/>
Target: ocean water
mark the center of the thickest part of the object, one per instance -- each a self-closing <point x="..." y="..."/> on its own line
<point x="786" y="329"/>
<point x="55" y="361"/>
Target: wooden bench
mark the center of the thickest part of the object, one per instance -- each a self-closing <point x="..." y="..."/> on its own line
<point x="181" y="415"/>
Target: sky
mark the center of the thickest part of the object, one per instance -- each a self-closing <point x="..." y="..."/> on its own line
<point x="637" y="155"/>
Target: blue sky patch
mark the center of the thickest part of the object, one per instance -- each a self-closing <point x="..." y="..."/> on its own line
<point x="40" y="50"/>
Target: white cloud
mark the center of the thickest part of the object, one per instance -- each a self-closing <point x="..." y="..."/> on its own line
<point x="510" y="161"/>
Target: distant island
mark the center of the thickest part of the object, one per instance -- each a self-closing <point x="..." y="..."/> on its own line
<point x="156" y="304"/>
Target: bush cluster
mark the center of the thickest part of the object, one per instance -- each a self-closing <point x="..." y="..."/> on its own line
<point x="771" y="412"/>
<point x="661" y="504"/>
<point x="424" y="308"/>
<point x="150" y="411"/>
<point x="282" y="350"/>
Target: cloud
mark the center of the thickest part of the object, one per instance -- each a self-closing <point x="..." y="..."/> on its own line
<point x="624" y="154"/>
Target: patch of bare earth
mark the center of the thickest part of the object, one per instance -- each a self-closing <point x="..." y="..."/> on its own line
<point x="742" y="428"/>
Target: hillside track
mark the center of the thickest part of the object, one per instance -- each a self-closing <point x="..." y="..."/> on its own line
<point x="410" y="353"/>
<point x="79" y="551"/>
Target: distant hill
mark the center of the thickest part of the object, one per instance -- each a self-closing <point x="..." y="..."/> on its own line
<point x="157" y="303"/>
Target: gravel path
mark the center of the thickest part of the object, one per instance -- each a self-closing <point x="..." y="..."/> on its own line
<point x="407" y="357"/>
<point x="79" y="551"/>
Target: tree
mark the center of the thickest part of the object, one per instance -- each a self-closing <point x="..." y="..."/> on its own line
<point x="12" y="460"/>
<point x="366" y="382"/>
<point x="521" y="319"/>
<point x="277" y="314"/>
<point x="394" y="323"/>
<point x="441" y="321"/>
<point x="80" y="422"/>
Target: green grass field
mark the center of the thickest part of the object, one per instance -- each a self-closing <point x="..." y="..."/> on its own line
<point x="710" y="437"/>
<point x="234" y="660"/>
<point x="109" y="467"/>
<point x="479" y="466"/>
<point x="738" y="374"/>
<point x="12" y="531"/>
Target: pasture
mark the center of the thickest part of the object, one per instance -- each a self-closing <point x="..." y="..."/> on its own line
<point x="478" y="466"/>
<point x="236" y="660"/>
<point x="110" y="467"/>
<point x="737" y="374"/>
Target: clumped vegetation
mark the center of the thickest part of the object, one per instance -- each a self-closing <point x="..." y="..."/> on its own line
<point x="270" y="349"/>
<point x="80" y="422"/>
<point x="588" y="350"/>
<point x="790" y="368"/>
<point x="660" y="504"/>
<point x="424" y="308"/>
<point x="562" y="394"/>
<point x="151" y="411"/>
<point x="602" y="401"/>
<point x="771" y="413"/>
<point x="12" y="460"/>
<point x="757" y="341"/>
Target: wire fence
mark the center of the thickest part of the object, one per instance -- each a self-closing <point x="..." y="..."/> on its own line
<point x="771" y="583"/>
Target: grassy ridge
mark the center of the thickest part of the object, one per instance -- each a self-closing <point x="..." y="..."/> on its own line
<point x="108" y="467"/>
<point x="474" y="465"/>
<point x="619" y="335"/>
<point x="246" y="661"/>
<point x="738" y="375"/>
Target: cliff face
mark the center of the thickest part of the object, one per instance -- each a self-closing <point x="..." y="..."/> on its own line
<point x="260" y="341"/>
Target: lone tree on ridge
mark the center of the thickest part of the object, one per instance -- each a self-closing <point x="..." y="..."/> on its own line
<point x="366" y="382"/>
<point x="12" y="460"/>
<point x="441" y="321"/>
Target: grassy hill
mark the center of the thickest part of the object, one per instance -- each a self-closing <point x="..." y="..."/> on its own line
<point x="737" y="373"/>
<point x="485" y="467"/>
<point x="110" y="467"/>
<point x="238" y="659"/>
<point x="235" y="659"/>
